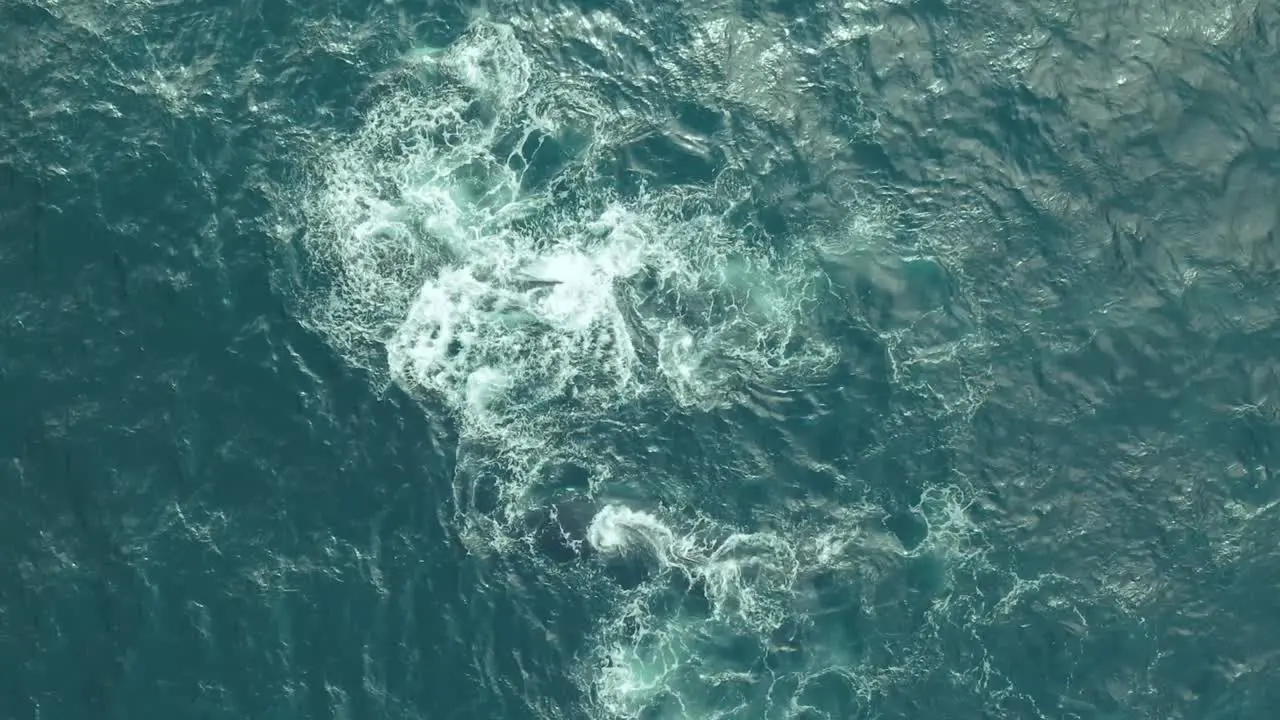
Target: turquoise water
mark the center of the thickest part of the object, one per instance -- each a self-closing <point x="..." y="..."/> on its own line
<point x="709" y="360"/>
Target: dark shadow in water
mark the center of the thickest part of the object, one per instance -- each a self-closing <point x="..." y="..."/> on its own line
<point x="559" y="531"/>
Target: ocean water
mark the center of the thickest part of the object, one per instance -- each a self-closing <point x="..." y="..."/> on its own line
<point x="842" y="359"/>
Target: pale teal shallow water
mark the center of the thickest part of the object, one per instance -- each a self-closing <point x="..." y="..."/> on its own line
<point x="709" y="360"/>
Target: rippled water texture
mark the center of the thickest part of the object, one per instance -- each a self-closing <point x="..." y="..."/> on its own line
<point x="705" y="360"/>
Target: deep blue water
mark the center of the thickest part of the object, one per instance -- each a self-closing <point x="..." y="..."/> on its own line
<point x="708" y="360"/>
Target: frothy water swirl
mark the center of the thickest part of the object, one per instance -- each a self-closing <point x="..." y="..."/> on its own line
<point x="470" y="240"/>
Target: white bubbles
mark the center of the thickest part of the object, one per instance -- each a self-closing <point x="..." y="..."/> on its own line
<point x="616" y="529"/>
<point x="738" y="624"/>
<point x="530" y="307"/>
<point x="469" y="248"/>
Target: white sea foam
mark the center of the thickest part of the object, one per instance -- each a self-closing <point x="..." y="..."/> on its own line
<point x="766" y="632"/>
<point x="531" y="308"/>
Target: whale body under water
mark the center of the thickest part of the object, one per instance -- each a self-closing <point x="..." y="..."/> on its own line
<point x="559" y="532"/>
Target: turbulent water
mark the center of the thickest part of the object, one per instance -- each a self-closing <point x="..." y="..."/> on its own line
<point x="676" y="360"/>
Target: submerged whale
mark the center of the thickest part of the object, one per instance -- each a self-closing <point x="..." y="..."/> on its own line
<point x="559" y="531"/>
<point x="531" y="282"/>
